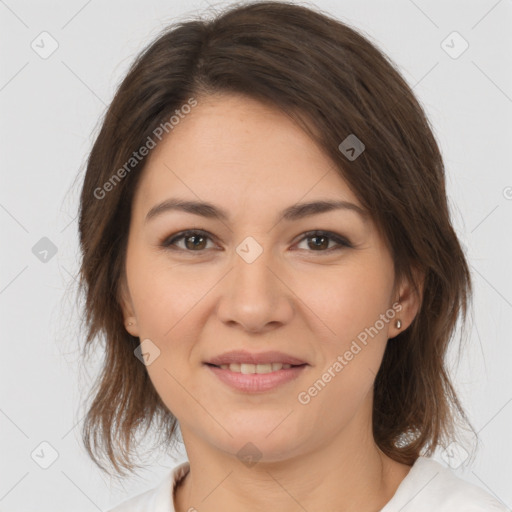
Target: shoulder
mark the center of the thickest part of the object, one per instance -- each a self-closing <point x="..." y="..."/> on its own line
<point x="431" y="486"/>
<point x="157" y="499"/>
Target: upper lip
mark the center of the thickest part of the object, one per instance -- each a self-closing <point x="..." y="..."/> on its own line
<point x="243" y="356"/>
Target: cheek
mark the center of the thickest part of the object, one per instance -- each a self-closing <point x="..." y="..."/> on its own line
<point x="164" y="295"/>
<point x="348" y="300"/>
<point x="166" y="317"/>
<point x="351" y="304"/>
<point x="338" y="388"/>
<point x="167" y="300"/>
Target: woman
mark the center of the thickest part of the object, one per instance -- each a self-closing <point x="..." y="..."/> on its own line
<point x="268" y="253"/>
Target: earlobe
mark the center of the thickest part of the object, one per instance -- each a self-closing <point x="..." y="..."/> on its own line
<point x="130" y="320"/>
<point x="409" y="299"/>
<point x="131" y="326"/>
<point x="398" y="324"/>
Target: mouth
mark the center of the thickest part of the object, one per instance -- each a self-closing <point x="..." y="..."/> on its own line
<point x="250" y="368"/>
<point x="256" y="378"/>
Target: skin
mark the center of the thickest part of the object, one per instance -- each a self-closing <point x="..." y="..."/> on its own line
<point x="254" y="161"/>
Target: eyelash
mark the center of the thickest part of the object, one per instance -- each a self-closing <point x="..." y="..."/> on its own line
<point x="343" y="243"/>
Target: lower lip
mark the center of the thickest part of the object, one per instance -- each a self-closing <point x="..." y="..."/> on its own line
<point x="257" y="382"/>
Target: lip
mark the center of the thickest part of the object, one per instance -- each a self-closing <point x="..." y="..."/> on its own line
<point x="257" y="382"/>
<point x="244" y="356"/>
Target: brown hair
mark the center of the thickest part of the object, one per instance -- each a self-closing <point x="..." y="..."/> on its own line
<point x="334" y="82"/>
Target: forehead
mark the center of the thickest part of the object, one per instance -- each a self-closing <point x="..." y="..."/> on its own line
<point x="236" y="150"/>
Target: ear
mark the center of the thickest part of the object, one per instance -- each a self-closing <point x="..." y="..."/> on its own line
<point x="125" y="301"/>
<point x="409" y="298"/>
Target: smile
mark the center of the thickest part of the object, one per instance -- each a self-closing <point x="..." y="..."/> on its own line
<point x="253" y="378"/>
<point x="247" y="368"/>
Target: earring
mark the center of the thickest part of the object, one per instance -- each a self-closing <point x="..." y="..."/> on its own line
<point x="398" y="324"/>
<point x="130" y="323"/>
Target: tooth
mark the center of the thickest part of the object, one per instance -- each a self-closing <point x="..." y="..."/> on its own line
<point x="247" y="368"/>
<point x="263" y="368"/>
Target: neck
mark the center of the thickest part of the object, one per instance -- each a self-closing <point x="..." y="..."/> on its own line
<point x="348" y="474"/>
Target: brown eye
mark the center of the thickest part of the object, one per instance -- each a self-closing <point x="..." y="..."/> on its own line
<point x="318" y="241"/>
<point x="195" y="241"/>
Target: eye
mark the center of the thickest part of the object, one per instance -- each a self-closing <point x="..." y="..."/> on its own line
<point x="196" y="241"/>
<point x="321" y="241"/>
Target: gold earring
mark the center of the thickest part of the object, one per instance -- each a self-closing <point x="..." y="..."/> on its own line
<point x="398" y="324"/>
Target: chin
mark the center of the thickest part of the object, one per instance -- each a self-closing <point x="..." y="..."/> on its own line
<point x="261" y="442"/>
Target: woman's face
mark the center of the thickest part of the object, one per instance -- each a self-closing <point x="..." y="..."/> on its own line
<point x="257" y="281"/>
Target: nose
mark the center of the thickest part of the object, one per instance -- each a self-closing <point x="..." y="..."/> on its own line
<point x="255" y="296"/>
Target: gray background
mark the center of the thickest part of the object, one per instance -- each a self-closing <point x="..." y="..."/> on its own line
<point x="50" y="110"/>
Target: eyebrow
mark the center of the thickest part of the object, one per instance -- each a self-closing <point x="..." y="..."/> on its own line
<point x="294" y="212"/>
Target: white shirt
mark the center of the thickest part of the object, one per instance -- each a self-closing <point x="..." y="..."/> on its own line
<point x="428" y="487"/>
